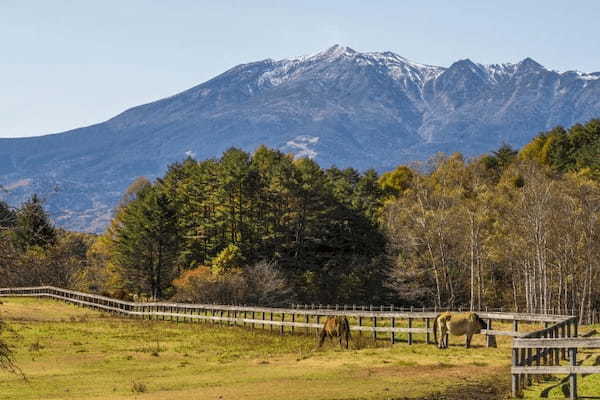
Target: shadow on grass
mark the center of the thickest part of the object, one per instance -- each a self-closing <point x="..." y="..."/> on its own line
<point x="565" y="387"/>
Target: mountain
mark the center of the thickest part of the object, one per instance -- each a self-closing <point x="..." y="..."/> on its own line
<point x="339" y="106"/>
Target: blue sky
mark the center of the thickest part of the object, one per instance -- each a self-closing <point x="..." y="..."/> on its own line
<point x="66" y="64"/>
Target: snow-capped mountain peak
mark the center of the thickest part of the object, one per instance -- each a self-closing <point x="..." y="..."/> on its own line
<point x="339" y="106"/>
<point x="394" y="65"/>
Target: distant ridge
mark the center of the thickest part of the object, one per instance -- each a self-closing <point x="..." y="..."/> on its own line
<point x="339" y="106"/>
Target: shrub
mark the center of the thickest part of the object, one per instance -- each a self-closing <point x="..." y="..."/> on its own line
<point x="262" y="284"/>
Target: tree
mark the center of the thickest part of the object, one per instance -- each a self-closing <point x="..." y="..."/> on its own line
<point x="33" y="226"/>
<point x="147" y="242"/>
<point x="8" y="217"/>
<point x="228" y="259"/>
<point x="267" y="286"/>
<point x="397" y="181"/>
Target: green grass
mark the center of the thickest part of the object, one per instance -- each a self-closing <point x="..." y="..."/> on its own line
<point x="557" y="387"/>
<point x="74" y="353"/>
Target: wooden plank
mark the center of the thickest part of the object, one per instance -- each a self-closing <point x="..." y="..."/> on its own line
<point x="557" y="370"/>
<point x="389" y="329"/>
<point x="558" y="343"/>
<point x="501" y="333"/>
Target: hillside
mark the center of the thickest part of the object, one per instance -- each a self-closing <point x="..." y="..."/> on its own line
<point x="340" y="107"/>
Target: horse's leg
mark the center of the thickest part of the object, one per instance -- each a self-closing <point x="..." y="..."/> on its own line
<point x="323" y="335"/>
<point x="467" y="336"/>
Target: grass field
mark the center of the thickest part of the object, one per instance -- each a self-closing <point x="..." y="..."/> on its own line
<point x="557" y="387"/>
<point x="72" y="353"/>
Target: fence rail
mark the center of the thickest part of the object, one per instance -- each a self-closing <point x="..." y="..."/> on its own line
<point x="545" y="347"/>
<point x="373" y="321"/>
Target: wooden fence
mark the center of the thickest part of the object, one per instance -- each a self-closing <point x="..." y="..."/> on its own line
<point x="542" y="353"/>
<point x="545" y="348"/>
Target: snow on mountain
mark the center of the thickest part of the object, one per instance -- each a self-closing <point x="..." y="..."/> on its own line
<point x="339" y="106"/>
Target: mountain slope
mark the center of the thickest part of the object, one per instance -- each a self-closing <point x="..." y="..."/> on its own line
<point x="339" y="106"/>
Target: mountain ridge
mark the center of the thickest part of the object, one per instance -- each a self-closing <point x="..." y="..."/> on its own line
<point x="339" y="106"/>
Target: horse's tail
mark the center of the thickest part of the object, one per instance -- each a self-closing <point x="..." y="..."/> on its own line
<point x="435" y="326"/>
<point x="347" y="328"/>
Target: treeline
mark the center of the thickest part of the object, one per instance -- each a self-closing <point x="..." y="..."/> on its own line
<point x="509" y="229"/>
<point x="34" y="252"/>
<point x="316" y="228"/>
<point x="518" y="230"/>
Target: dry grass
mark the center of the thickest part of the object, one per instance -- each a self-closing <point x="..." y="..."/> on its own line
<point x="98" y="356"/>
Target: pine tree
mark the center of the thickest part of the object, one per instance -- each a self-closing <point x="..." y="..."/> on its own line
<point x="147" y="242"/>
<point x="8" y="217"/>
<point x="33" y="226"/>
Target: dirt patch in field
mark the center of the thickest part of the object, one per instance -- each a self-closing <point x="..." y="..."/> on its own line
<point x="496" y="390"/>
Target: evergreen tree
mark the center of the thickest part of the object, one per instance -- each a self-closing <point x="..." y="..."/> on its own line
<point x="8" y="217"/>
<point x="147" y="242"/>
<point x="33" y="226"/>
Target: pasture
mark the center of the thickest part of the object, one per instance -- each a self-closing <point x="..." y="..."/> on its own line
<point x="74" y="353"/>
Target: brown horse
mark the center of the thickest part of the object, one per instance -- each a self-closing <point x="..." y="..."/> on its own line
<point x="336" y="326"/>
<point x="466" y="324"/>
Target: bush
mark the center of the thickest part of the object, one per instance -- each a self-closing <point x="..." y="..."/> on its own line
<point x="267" y="285"/>
<point x="261" y="284"/>
<point x="202" y="285"/>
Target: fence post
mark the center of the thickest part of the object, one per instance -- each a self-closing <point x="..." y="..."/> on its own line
<point x="374" y="323"/>
<point x="556" y="351"/>
<point x="360" y="324"/>
<point x="529" y="362"/>
<point x="490" y="340"/>
<point x="410" y="335"/>
<point x="374" y="331"/>
<point x="523" y="362"/>
<point x="393" y="334"/>
<point x="545" y="351"/>
<point x="515" y="377"/>
<point x="551" y="351"/>
<point x="573" y="377"/>
<point x="306" y="320"/>
<point x="427" y="335"/>
<point x="563" y="334"/>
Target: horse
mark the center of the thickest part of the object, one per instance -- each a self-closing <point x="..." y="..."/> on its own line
<point x="466" y="324"/>
<point x="336" y="326"/>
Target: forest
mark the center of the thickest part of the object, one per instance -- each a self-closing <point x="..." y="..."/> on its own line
<point x="517" y="229"/>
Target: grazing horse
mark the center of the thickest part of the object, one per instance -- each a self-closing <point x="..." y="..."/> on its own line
<point x="466" y="324"/>
<point x="335" y="326"/>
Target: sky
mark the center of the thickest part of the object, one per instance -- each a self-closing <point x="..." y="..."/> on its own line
<point x="66" y="64"/>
